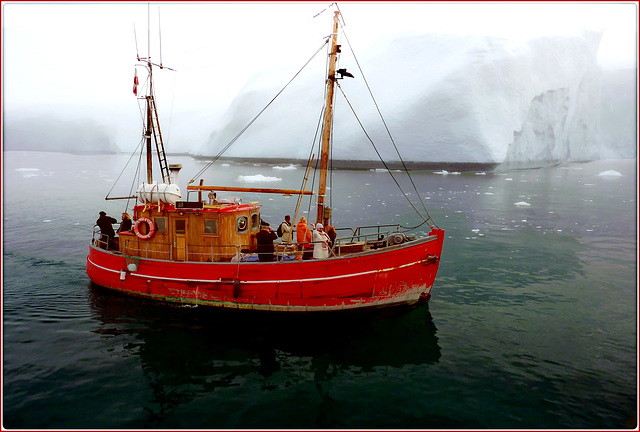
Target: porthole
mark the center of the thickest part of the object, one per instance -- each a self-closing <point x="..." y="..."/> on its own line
<point x="242" y="223"/>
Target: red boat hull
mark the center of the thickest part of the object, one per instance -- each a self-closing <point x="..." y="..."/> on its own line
<point x="393" y="276"/>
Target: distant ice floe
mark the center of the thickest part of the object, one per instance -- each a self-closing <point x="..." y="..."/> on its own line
<point x="258" y="178"/>
<point x="445" y="172"/>
<point x="225" y="165"/>
<point x="522" y="204"/>
<point x="610" y="173"/>
<point x="290" y="167"/>
<point x="481" y="173"/>
<point x="29" y="172"/>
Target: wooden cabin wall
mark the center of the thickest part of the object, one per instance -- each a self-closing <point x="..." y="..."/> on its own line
<point x="199" y="245"/>
<point x="157" y="247"/>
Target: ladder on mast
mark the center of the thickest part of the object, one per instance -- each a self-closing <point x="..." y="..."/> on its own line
<point x="157" y="136"/>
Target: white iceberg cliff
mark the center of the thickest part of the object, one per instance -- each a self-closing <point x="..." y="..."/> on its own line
<point x="448" y="98"/>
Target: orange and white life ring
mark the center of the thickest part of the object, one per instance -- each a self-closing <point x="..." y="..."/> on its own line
<point x="150" y="231"/>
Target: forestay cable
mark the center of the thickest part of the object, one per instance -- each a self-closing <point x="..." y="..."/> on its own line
<point x="207" y="166"/>
<point x="381" y="159"/>
<point x="388" y="132"/>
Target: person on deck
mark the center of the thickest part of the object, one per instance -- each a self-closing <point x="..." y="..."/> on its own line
<point x="105" y="223"/>
<point x="320" y="243"/>
<point x="265" y="239"/>
<point x="285" y="228"/>
<point x="303" y="237"/>
<point x="126" y="223"/>
<point x="332" y="233"/>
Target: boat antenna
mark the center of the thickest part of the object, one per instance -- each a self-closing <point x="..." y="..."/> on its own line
<point x="148" y="31"/>
<point x="160" y="38"/>
<point x="152" y="123"/>
<point x="135" y="38"/>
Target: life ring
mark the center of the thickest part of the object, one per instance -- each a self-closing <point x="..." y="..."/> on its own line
<point x="151" y="230"/>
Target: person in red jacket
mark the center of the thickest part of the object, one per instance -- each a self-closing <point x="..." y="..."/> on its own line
<point x="303" y="236"/>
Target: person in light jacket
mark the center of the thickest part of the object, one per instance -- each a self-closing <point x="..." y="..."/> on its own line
<point x="320" y="243"/>
<point x="286" y="230"/>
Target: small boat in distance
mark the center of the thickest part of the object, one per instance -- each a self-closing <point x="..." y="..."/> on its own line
<point x="203" y="251"/>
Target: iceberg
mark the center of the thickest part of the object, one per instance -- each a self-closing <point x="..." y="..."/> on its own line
<point x="610" y="173"/>
<point x="258" y="178"/>
<point x="288" y="168"/>
<point x="450" y="98"/>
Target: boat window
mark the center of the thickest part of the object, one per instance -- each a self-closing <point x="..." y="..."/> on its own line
<point x="255" y="222"/>
<point x="242" y="223"/>
<point x="211" y="226"/>
<point x="181" y="226"/>
<point x="161" y="224"/>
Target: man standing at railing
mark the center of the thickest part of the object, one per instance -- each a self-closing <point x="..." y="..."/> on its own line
<point x="105" y="223"/>
<point x="285" y="230"/>
<point x="265" y="239"/>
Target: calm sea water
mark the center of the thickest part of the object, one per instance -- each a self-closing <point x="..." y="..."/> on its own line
<point x="532" y="323"/>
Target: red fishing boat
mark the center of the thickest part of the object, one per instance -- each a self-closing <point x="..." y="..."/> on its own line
<point x="203" y="252"/>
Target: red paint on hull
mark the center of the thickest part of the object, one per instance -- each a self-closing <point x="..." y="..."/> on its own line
<point x="402" y="274"/>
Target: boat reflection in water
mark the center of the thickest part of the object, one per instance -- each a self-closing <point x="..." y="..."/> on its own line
<point x="189" y="353"/>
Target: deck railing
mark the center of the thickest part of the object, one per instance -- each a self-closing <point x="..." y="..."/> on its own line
<point x="355" y="240"/>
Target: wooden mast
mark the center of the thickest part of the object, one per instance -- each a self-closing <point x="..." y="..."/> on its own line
<point x="148" y="131"/>
<point x="328" y="115"/>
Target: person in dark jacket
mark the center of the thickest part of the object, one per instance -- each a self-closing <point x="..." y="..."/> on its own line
<point x="105" y="223"/>
<point x="265" y="239"/>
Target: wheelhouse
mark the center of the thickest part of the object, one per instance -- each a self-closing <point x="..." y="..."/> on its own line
<point x="192" y="231"/>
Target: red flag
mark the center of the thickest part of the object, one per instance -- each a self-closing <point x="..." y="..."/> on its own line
<point x="135" y="83"/>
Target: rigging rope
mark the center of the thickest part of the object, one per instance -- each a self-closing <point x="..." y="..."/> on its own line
<point x="379" y="155"/>
<point x="122" y="172"/>
<point x="309" y="162"/>
<point x="139" y="148"/>
<point x="388" y="132"/>
<point x="207" y="166"/>
<point x="136" y="175"/>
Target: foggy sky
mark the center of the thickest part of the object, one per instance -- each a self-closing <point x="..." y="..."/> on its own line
<point x="77" y="60"/>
